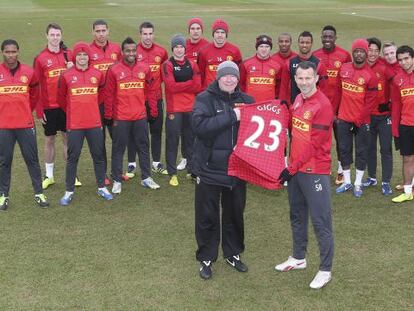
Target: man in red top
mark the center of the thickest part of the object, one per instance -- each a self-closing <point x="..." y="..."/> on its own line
<point x="261" y="76"/>
<point x="182" y="83"/>
<point x="380" y="125"/>
<point x="358" y="98"/>
<point x="216" y="52"/>
<point x="18" y="92"/>
<point x="103" y="54"/>
<point x="48" y="66"/>
<point x="285" y="53"/>
<point x="333" y="56"/>
<point x="78" y="95"/>
<point x="402" y="98"/>
<point x="308" y="175"/>
<point x="154" y="55"/>
<point x="128" y="86"/>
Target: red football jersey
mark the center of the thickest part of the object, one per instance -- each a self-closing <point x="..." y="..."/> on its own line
<point x="258" y="156"/>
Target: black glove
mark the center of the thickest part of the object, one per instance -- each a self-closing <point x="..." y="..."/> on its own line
<point x="285" y="175"/>
<point x="108" y="122"/>
<point x="397" y="143"/>
<point x="384" y="107"/>
<point x="150" y="118"/>
<point x="354" y="129"/>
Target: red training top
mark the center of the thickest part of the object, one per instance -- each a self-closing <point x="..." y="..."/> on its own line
<point x="192" y="49"/>
<point x="402" y="97"/>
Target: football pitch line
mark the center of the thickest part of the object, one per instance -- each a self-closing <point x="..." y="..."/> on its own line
<point x="378" y="18"/>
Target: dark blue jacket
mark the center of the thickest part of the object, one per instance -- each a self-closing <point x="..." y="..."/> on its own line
<point x="215" y="127"/>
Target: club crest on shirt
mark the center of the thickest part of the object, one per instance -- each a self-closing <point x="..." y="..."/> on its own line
<point x="114" y="56"/>
<point x="141" y="75"/>
<point x="229" y="57"/>
<point x="171" y="116"/>
<point x="337" y="64"/>
<point x="94" y="80"/>
<point x="361" y="81"/>
<point x="307" y="115"/>
<point x="272" y="72"/>
<point x="24" y="79"/>
<point x="157" y="59"/>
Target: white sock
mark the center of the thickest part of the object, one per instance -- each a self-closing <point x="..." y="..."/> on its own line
<point x="103" y="189"/>
<point x="134" y="164"/>
<point x="412" y="183"/>
<point x="155" y="164"/>
<point x="49" y="169"/>
<point x="68" y="193"/>
<point x="408" y="189"/>
<point x="340" y="170"/>
<point x="347" y="176"/>
<point x="358" y="177"/>
<point x="286" y="161"/>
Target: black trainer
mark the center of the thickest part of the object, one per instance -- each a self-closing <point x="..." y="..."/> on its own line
<point x="205" y="270"/>
<point x="236" y="263"/>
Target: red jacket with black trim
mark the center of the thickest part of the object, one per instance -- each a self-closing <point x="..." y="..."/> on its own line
<point x="333" y="61"/>
<point x="78" y="97"/>
<point x="180" y="96"/>
<point x="192" y="49"/>
<point x="211" y="56"/>
<point x="358" y="94"/>
<point x="402" y="97"/>
<point x="127" y="88"/>
<point x="154" y="57"/>
<point x="310" y="148"/>
<point x="48" y="67"/>
<point x="264" y="79"/>
<point x="18" y="97"/>
<point x="384" y="76"/>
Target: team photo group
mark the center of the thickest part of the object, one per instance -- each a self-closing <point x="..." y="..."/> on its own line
<point x="268" y="119"/>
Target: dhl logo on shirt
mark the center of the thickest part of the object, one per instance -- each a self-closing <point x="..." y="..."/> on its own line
<point x="300" y="125"/>
<point x="154" y="68"/>
<point x="407" y="92"/>
<point x="332" y="73"/>
<point x="131" y="85"/>
<point x="55" y="72"/>
<point x="212" y="67"/>
<point x="261" y="80"/>
<point x="84" y="91"/>
<point x="352" y="88"/>
<point x="13" y="89"/>
<point x="102" y="67"/>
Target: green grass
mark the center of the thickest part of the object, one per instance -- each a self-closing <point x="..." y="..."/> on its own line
<point x="137" y="252"/>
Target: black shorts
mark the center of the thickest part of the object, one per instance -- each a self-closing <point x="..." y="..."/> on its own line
<point x="55" y="121"/>
<point x="406" y="140"/>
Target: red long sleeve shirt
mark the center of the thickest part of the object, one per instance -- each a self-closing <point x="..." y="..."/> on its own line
<point x="180" y="96"/>
<point x="210" y="57"/>
<point x="192" y="49"/>
<point x="263" y="79"/>
<point x="154" y="56"/>
<point x="384" y="76"/>
<point x="310" y="149"/>
<point x="126" y="90"/>
<point x="402" y="97"/>
<point x="18" y="97"/>
<point x="283" y="60"/>
<point x="78" y="96"/>
<point x="48" y="67"/>
<point x="359" y="93"/>
<point x="333" y="61"/>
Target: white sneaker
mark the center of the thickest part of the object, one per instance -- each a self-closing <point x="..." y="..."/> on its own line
<point x="291" y="264"/>
<point x="149" y="183"/>
<point x="117" y="187"/>
<point x="181" y="166"/>
<point x="321" y="279"/>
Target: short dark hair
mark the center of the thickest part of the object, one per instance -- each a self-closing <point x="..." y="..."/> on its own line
<point x="306" y="34"/>
<point x="306" y="65"/>
<point x="285" y="34"/>
<point x="145" y="25"/>
<point x="53" y="26"/>
<point x="375" y="41"/>
<point x="405" y="49"/>
<point x="99" y="22"/>
<point x="128" y="40"/>
<point x="329" y="27"/>
<point x="9" y="42"/>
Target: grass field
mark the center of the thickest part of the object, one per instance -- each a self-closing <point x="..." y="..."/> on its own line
<point x="137" y="252"/>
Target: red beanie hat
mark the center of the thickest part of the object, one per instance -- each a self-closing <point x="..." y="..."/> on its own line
<point x="195" y="20"/>
<point x="81" y="47"/>
<point x="360" y="44"/>
<point x="220" y="24"/>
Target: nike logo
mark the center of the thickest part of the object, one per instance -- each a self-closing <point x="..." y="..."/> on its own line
<point x="231" y="262"/>
<point x="315" y="181"/>
<point x="219" y="110"/>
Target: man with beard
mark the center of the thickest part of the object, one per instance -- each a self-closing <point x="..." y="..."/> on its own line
<point x="358" y="97"/>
